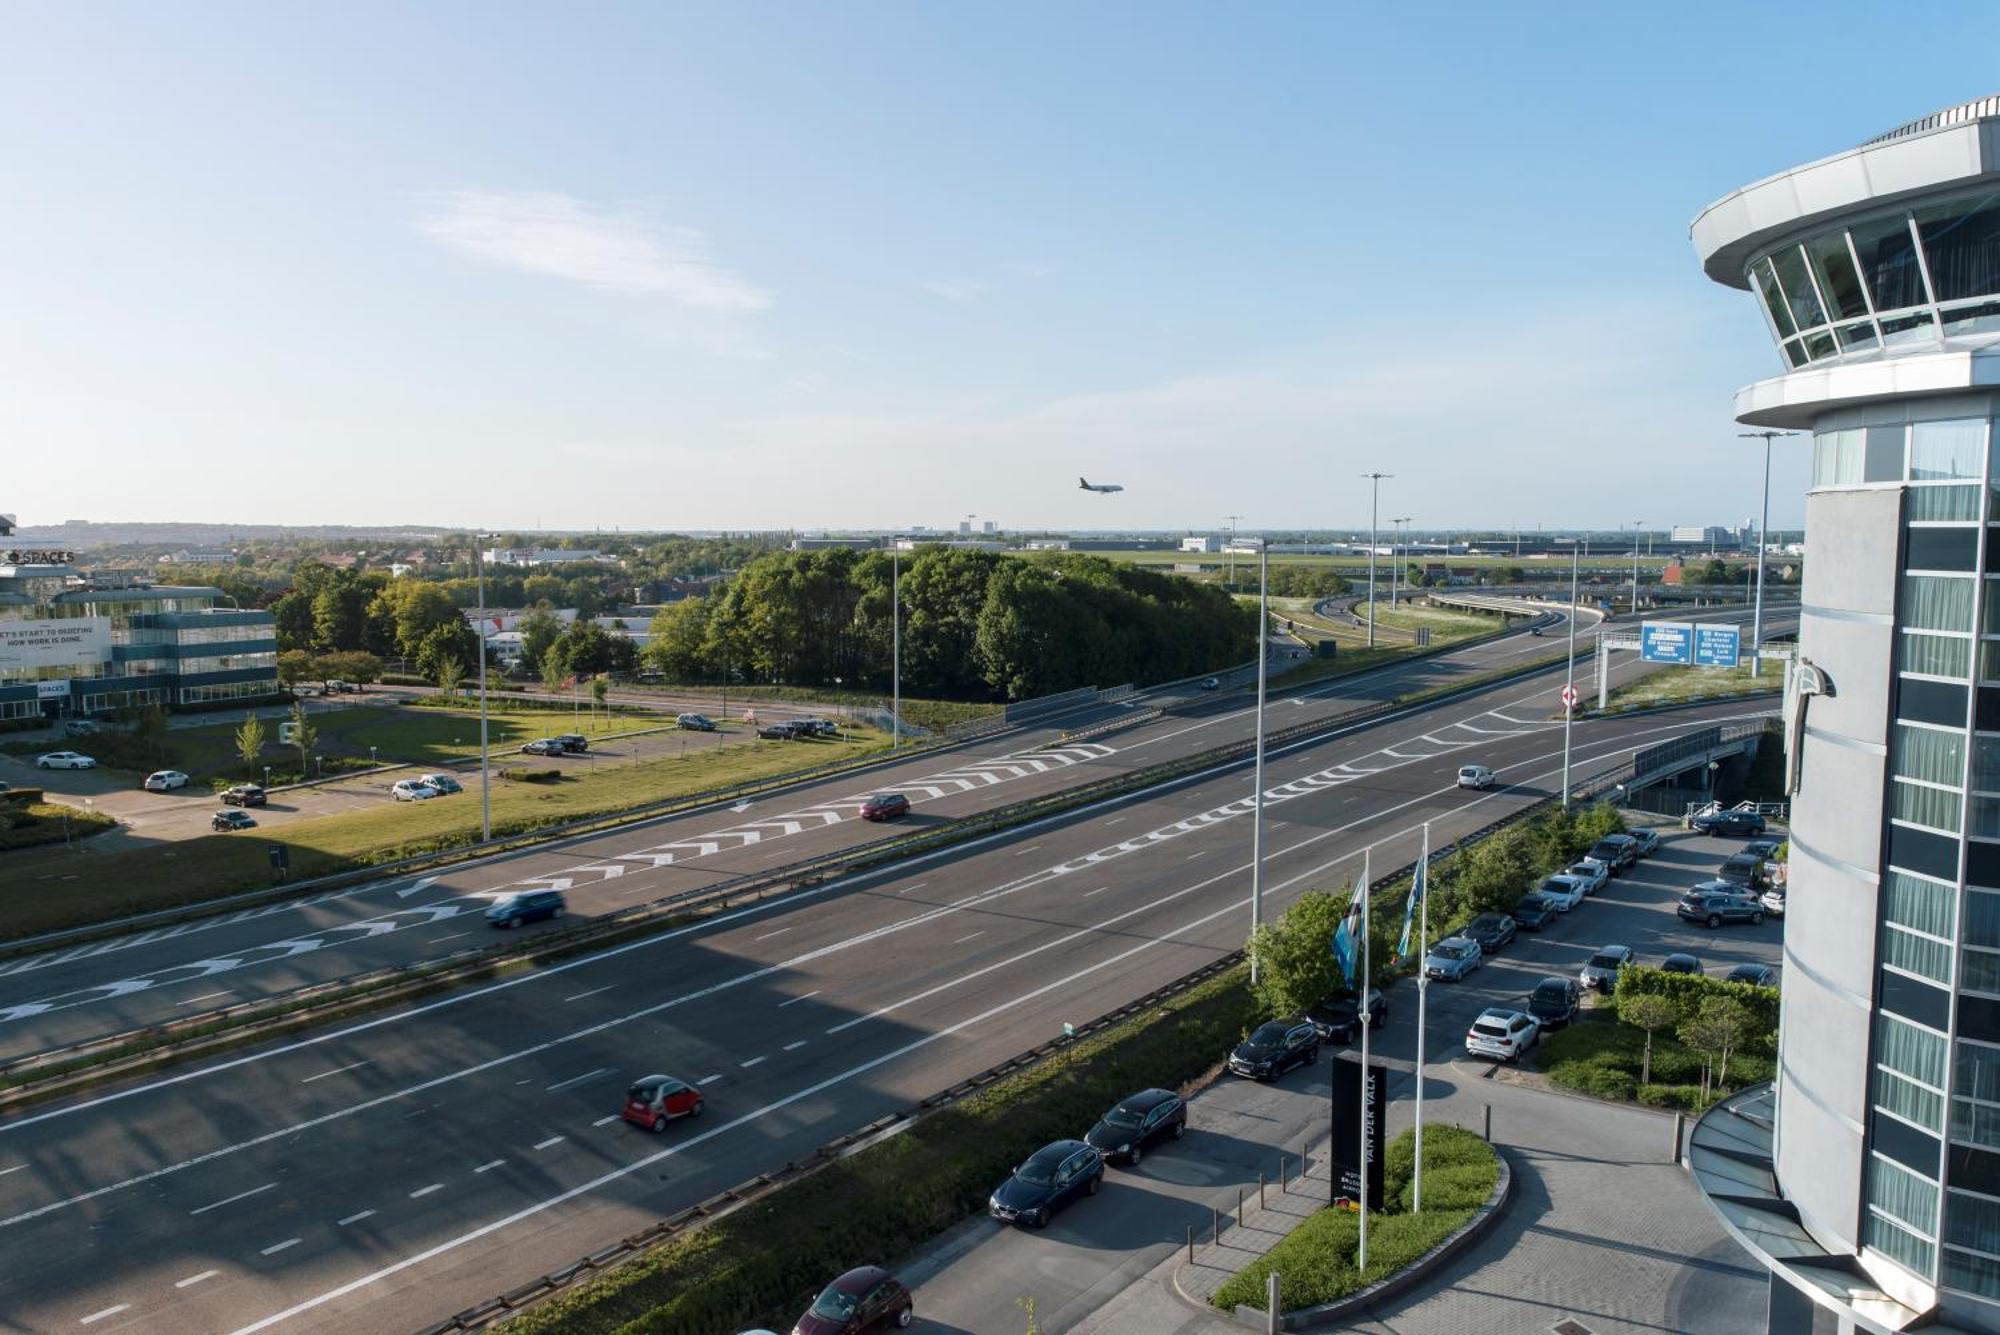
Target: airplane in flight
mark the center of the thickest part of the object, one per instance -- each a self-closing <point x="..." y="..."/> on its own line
<point x="1105" y="487"/>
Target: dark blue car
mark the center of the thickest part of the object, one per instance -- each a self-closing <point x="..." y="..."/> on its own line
<point x="527" y="906"/>
<point x="1052" y="1177"/>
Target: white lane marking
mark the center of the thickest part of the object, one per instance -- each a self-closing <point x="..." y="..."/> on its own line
<point x="207" y="996"/>
<point x="578" y="1079"/>
<point x="781" y="1005"/>
<point x="708" y="1080"/>
<point x="449" y="936"/>
<point x="489" y="1167"/>
<point x="95" y="1317"/>
<point x="752" y="1062"/>
<point x="552" y="1140"/>
<point x="1192" y="856"/>
<point x="963" y="939"/>
<point x="1098" y="891"/>
<point x="193" y="1280"/>
<point x="593" y="992"/>
<point x="768" y="935"/>
<point x="15" y="1169"/>
<point x="918" y="886"/>
<point x="1029" y="849"/>
<point x="606" y="1121"/>
<point x="794" y="1047"/>
<point x="277" y="1247"/>
<point x="231" y="1200"/>
<point x="355" y="1218"/>
<point x="1113" y="820"/>
<point x="336" y="1070"/>
<point x="422" y="1192"/>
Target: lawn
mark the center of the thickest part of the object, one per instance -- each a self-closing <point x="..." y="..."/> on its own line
<point x="1599" y="1056"/>
<point x="46" y="890"/>
<point x="931" y="715"/>
<point x="33" y="824"/>
<point x="1315" y="1263"/>
<point x="1679" y="685"/>
<point x="1444" y="623"/>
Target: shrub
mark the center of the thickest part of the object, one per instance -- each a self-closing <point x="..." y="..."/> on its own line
<point x="1686" y="1098"/>
<point x="519" y="775"/>
<point x="1687" y="991"/>
<point x="27" y="797"/>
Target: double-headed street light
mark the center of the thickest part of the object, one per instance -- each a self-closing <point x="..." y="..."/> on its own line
<point x="1763" y="537"/>
<point x="1374" y="511"/>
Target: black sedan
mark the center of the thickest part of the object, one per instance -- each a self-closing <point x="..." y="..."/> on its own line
<point x="1741" y="823"/>
<point x="1053" y="1176"/>
<point x="1554" y="1002"/>
<point x="244" y="795"/>
<point x="1339" y="1018"/>
<point x="1534" y="912"/>
<point x="1275" y="1047"/>
<point x="1680" y="963"/>
<point x="232" y="820"/>
<point x="1123" y="1134"/>
<point x="1491" y="931"/>
<point x="1756" y="975"/>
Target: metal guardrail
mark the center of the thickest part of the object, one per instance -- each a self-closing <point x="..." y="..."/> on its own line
<point x="1779" y="810"/>
<point x="1108" y="726"/>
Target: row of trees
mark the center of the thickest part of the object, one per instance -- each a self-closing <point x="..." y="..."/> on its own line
<point x="975" y="625"/>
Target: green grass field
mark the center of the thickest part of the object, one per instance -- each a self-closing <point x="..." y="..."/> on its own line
<point x="1682" y="685"/>
<point x="47" y="889"/>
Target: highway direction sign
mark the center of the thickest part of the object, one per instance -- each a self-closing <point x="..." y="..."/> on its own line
<point x="1666" y="642"/>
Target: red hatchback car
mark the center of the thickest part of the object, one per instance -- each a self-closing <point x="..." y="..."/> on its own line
<point x="885" y="806"/>
<point x="867" y="1298"/>
<point x="655" y="1100"/>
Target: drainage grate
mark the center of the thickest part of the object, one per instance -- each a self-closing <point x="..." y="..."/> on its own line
<point x="1569" y="1326"/>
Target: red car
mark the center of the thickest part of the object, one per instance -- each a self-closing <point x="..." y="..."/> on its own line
<point x="885" y="806"/>
<point x="655" y="1100"/>
<point x="868" y="1298"/>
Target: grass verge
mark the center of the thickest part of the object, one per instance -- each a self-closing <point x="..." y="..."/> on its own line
<point x="1315" y="1262"/>
<point x="762" y="1264"/>
<point x="932" y="715"/>
<point x="1601" y="1057"/>
<point x="33" y="824"/>
<point x="1684" y="685"/>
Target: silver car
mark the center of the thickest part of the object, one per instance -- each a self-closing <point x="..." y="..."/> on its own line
<point x="1451" y="959"/>
<point x="1601" y="971"/>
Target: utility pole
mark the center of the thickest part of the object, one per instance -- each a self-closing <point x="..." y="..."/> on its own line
<point x="1229" y="553"/>
<point x="1763" y="531"/>
<point x="1374" y="510"/>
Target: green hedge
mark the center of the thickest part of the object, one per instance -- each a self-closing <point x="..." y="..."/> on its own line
<point x="531" y="775"/>
<point x="38" y="823"/>
<point x="25" y="797"/>
<point x="762" y="1264"/>
<point x="1688" y="990"/>
<point x="1602" y="1057"/>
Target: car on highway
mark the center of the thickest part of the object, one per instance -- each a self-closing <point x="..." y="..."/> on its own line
<point x="1475" y="776"/>
<point x="1680" y="962"/>
<point x="1534" y="912"/>
<point x="64" y="760"/>
<point x="654" y="1100"/>
<point x="1713" y="903"/>
<point x="230" y="818"/>
<point x="1501" y="1033"/>
<point x="886" y="806"/>
<point x="695" y="722"/>
<point x="1275" y="1047"/>
<point x="1645" y="842"/>
<point x="1123" y="1134"/>
<point x="244" y="795"/>
<point x="1594" y="876"/>
<point x="1743" y="823"/>
<point x="543" y="746"/>
<point x="1491" y="931"/>
<point x="1745" y="870"/>
<point x="1555" y="1002"/>
<point x="572" y="743"/>
<point x="1563" y="891"/>
<point x="1600" y="971"/>
<point x="1050" y="1179"/>
<point x="865" y="1299"/>
<point x="1453" y="959"/>
<point x="1615" y="851"/>
<point x="1211" y="683"/>
<point x="412" y="790"/>
<point x="525" y="906"/>
<point x="164" y="781"/>
<point x="1756" y="975"/>
<point x="444" y="783"/>
<point x="1338" y="1019"/>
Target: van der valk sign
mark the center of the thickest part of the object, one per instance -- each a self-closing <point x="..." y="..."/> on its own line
<point x="65" y="642"/>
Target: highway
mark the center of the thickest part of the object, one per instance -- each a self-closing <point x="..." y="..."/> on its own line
<point x="383" y="1174"/>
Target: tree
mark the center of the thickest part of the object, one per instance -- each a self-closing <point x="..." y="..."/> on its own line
<point x="304" y="734"/>
<point x="151" y="733"/>
<point x="297" y="665"/>
<point x="414" y="608"/>
<point x="1647" y="1011"/>
<point x="250" y="742"/>
<point x="444" y="652"/>
<point x="293" y="613"/>
<point x="539" y="629"/>
<point x="600" y="693"/>
<point x="554" y="668"/>
<point x="678" y="640"/>
<point x="356" y="665"/>
<point x="1296" y="967"/>
<point x="1716" y="1030"/>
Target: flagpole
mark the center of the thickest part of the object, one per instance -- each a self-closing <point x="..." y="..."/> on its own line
<point x="1362" y="1121"/>
<point x="1423" y="987"/>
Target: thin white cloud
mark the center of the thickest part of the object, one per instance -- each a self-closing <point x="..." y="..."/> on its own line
<point x="563" y="237"/>
<point x="954" y="289"/>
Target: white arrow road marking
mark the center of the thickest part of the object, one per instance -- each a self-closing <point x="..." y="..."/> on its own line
<point x="420" y="884"/>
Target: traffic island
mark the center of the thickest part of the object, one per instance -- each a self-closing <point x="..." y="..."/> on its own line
<point x="1311" y="1246"/>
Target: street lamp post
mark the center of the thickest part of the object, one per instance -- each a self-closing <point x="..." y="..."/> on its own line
<point x="1229" y="551"/>
<point x="895" y="649"/>
<point x="1763" y="536"/>
<point x="1569" y="689"/>
<point x="1396" y="558"/>
<point x="485" y="780"/>
<point x="1257" y="798"/>
<point x="1635" y="565"/>
<point x="1374" y="511"/>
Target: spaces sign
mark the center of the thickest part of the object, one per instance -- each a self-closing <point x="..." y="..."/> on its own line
<point x="1717" y="646"/>
<point x="1666" y="642"/>
<point x="58" y="642"/>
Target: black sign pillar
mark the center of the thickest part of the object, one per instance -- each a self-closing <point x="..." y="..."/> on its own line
<point x="1347" y="1119"/>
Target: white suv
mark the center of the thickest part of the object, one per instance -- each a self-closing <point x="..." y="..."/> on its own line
<point x="1475" y="776"/>
<point x="1502" y="1034"/>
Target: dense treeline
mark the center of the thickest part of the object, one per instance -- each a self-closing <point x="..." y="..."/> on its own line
<point x="974" y="624"/>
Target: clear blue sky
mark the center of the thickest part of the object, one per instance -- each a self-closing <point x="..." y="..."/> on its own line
<point x="755" y="265"/>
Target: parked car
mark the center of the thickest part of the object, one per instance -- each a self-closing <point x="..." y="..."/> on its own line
<point x="777" y="732"/>
<point x="1534" y="912"/>
<point x="1713" y="903"/>
<point x="655" y="1100"/>
<point x="1743" y="823"/>
<point x="1452" y="959"/>
<point x="64" y="760"/>
<point x="572" y="743"/>
<point x="525" y="906"/>
<point x="543" y="746"/>
<point x="1052" y="1177"/>
<point x="1745" y="870"/>
<point x="1773" y="901"/>
<point x="1594" y="876"/>
<point x="164" y="781"/>
<point x="1338" y="1019"/>
<point x="1501" y="1033"/>
<point x="1211" y="683"/>
<point x="1615" y="851"/>
<point x="1275" y="1047"/>
<point x="1491" y="931"/>
<point x="1645" y="842"/>
<point x="1763" y="848"/>
<point x="863" y="1300"/>
<point x="1563" y="891"/>
<point x="815" y="727"/>
<point x="1554" y="1002"/>
<point x="1601" y="970"/>
<point x="337" y="687"/>
<point x="444" y="783"/>
<point x="1757" y="975"/>
<point x="1679" y="962"/>
<point x="886" y="806"/>
<point x="412" y="790"/>
<point x="1123" y="1134"/>
<point x="695" y="722"/>
<point x="244" y="795"/>
<point x="82" y="727"/>
<point x="1475" y="776"/>
<point x="230" y="819"/>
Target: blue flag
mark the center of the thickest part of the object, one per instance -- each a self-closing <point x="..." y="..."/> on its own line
<point x="1347" y="936"/>
<point x="1410" y="913"/>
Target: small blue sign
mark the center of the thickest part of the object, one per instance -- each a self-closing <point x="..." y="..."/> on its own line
<point x="1717" y="646"/>
<point x="1666" y="642"/>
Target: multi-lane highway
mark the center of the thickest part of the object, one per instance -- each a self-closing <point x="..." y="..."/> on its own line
<point x="379" y="1175"/>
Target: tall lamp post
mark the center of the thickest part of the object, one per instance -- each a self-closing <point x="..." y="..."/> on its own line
<point x="1396" y="558"/>
<point x="895" y="648"/>
<point x="1229" y="550"/>
<point x="1374" y="510"/>
<point x="1763" y="537"/>
<point x="1257" y="798"/>
<point x="1569" y="687"/>
<point x="485" y="769"/>
<point x="1635" y="565"/>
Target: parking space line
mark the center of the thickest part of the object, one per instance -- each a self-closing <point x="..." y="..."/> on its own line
<point x="95" y="1317"/>
<point x="354" y="1218"/>
<point x="708" y="1080"/>
<point x="752" y="1062"/>
<point x="488" y="1167"/>
<point x="286" y="1245"/>
<point x="552" y="1140"/>
<point x="231" y="1200"/>
<point x="593" y="992"/>
<point x="193" y="1280"/>
<point x="422" y="1192"/>
<point x="781" y="1005"/>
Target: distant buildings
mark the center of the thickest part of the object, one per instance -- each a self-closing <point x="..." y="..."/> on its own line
<point x="215" y="556"/>
<point x="530" y="557"/>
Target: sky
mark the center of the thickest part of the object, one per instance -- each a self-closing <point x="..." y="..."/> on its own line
<point x="754" y="265"/>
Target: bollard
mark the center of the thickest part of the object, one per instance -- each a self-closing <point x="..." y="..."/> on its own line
<point x="1260" y="1191"/>
<point x="1487" y="1134"/>
<point x="1218" y="1225"/>
<point x="1190" y="1244"/>
<point x="1239" y="1207"/>
<point x="1284" y="1174"/>
<point x="1273" y="1318"/>
<point x="1680" y="1134"/>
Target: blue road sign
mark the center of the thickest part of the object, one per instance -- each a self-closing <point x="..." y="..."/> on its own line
<point x="1666" y="641"/>
<point x="1717" y="646"/>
